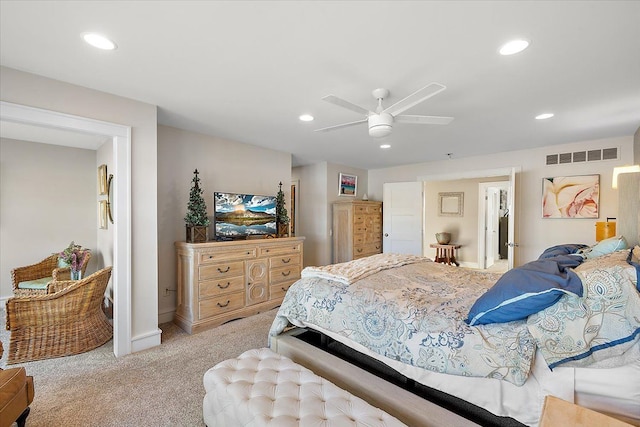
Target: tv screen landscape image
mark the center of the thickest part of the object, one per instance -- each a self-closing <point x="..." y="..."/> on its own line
<point x="241" y="215"/>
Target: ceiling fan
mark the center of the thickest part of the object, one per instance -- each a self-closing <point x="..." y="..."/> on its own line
<point x="381" y="121"/>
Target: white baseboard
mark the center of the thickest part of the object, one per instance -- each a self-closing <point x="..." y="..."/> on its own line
<point x="166" y="316"/>
<point x="468" y="264"/>
<point x="145" y="341"/>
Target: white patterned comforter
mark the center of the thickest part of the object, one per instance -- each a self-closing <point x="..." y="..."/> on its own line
<point x="415" y="314"/>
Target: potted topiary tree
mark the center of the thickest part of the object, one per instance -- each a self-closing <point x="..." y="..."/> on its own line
<point x="282" y="219"/>
<point x="196" y="220"/>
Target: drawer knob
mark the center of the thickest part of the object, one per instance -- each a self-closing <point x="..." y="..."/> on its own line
<point x="286" y="261"/>
<point x="224" y="287"/>
<point x="210" y="256"/>
<point x="224" y="305"/>
<point x="287" y="273"/>
<point x="285" y="289"/>
<point x="225" y="271"/>
<point x="248" y="253"/>
<point x="359" y="250"/>
<point x="266" y="250"/>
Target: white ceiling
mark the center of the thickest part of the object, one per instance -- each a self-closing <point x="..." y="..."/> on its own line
<point x="245" y="71"/>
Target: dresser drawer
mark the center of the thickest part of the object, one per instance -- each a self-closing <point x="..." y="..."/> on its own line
<point x="222" y="304"/>
<point x="359" y="251"/>
<point x="221" y="270"/>
<point x="359" y="218"/>
<point x="212" y="288"/>
<point x="359" y="239"/>
<point x="280" y="249"/>
<point x="284" y="274"/>
<point x="373" y="248"/>
<point x="278" y="290"/>
<point x="218" y="255"/>
<point x="284" y="260"/>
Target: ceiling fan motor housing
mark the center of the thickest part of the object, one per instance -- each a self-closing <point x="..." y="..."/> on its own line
<point x="380" y="125"/>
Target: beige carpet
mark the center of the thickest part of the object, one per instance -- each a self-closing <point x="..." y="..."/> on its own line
<point x="161" y="386"/>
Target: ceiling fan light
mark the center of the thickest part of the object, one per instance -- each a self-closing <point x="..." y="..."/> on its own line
<point x="380" y="131"/>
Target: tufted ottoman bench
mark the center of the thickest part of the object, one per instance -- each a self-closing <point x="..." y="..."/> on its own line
<point x="263" y="388"/>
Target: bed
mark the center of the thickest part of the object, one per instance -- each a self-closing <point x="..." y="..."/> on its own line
<point x="575" y="336"/>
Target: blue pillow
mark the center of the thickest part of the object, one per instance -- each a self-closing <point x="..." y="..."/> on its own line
<point x="526" y="290"/>
<point x="606" y="246"/>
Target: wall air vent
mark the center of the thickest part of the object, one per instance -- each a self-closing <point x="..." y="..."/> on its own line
<point x="582" y="156"/>
<point x="565" y="158"/>
<point x="579" y="156"/>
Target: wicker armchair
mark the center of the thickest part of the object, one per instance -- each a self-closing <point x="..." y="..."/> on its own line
<point x="67" y="321"/>
<point x="47" y="268"/>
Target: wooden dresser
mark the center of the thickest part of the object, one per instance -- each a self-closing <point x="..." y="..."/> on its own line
<point x="223" y="281"/>
<point x="357" y="230"/>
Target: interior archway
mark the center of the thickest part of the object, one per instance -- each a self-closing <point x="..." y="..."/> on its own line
<point x="121" y="209"/>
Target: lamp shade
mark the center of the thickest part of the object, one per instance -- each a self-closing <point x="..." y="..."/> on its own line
<point x="604" y="230"/>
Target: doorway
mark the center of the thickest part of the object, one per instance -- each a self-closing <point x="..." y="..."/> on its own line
<point x="121" y="201"/>
<point x="493" y="226"/>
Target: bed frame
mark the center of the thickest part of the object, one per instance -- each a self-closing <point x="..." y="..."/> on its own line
<point x="371" y="380"/>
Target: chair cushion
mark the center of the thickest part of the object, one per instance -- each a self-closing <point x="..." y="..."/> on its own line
<point x="16" y="393"/>
<point x="38" y="284"/>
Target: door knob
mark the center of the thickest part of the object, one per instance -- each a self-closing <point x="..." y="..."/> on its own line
<point x="386" y="234"/>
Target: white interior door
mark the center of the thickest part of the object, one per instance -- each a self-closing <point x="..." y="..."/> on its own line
<point x="402" y="213"/>
<point x="491" y="228"/>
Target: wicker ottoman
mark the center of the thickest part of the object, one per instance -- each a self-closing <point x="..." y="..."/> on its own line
<point x="263" y="388"/>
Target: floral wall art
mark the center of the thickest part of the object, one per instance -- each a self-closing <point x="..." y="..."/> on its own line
<point x="571" y="196"/>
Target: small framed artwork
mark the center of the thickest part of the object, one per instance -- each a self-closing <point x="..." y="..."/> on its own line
<point x="102" y="213"/>
<point x="451" y="204"/>
<point x="571" y="196"/>
<point x="348" y="185"/>
<point x="102" y="179"/>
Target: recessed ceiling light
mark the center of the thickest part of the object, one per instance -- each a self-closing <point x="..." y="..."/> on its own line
<point x="306" y="117"/>
<point x="99" y="41"/>
<point x="385" y="146"/>
<point x="544" y="116"/>
<point x="514" y="46"/>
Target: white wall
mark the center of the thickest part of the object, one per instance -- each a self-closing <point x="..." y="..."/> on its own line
<point x="47" y="199"/>
<point x="226" y="166"/>
<point x="534" y="233"/>
<point x="36" y="91"/>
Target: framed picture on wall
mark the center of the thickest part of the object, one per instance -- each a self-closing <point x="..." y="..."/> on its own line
<point x="102" y="213"/>
<point x="451" y="204"/>
<point x="571" y="196"/>
<point x="348" y="185"/>
<point x="102" y="180"/>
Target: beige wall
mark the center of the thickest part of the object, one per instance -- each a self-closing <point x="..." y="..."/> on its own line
<point x="636" y="147"/>
<point x="47" y="199"/>
<point x="226" y="166"/>
<point x="318" y="190"/>
<point x="312" y="213"/>
<point x="464" y="229"/>
<point x="29" y="89"/>
<point x="533" y="233"/>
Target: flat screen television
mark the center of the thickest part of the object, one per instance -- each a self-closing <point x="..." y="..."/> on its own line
<point x="238" y="216"/>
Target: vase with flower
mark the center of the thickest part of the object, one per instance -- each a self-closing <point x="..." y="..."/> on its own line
<point x="75" y="257"/>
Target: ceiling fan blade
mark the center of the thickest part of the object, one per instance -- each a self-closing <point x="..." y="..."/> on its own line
<point x="343" y="125"/>
<point x="346" y="104"/>
<point x="425" y="120"/>
<point x="415" y="98"/>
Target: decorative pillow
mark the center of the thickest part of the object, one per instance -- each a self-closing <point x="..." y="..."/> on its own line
<point x="606" y="246"/>
<point x="526" y="290"/>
